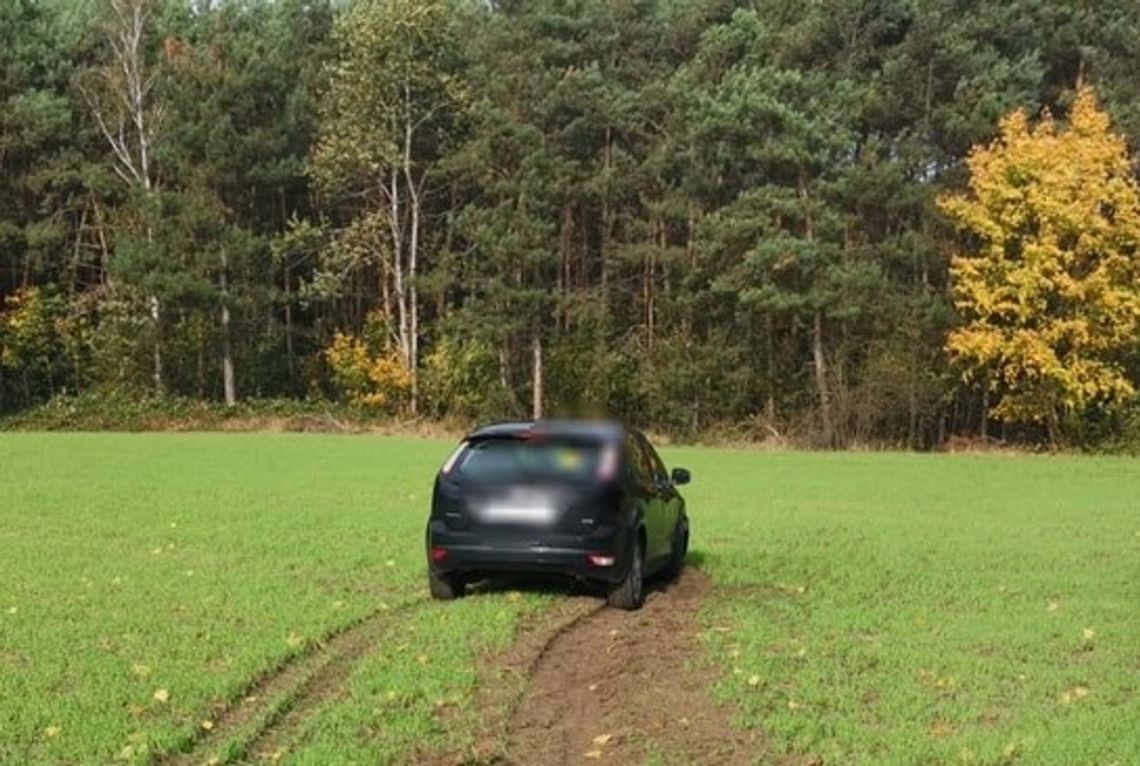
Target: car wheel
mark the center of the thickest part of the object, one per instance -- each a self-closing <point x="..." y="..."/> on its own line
<point x="630" y="592"/>
<point x="680" y="548"/>
<point x="446" y="587"/>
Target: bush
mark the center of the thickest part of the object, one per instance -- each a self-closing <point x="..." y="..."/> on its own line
<point x="367" y="375"/>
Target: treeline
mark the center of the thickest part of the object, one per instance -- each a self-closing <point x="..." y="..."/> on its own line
<point x="691" y="214"/>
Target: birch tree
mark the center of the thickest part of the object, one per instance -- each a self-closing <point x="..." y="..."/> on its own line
<point x="119" y="93"/>
<point x="389" y="99"/>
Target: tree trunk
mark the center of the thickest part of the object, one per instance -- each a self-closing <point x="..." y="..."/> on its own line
<point x="413" y="253"/>
<point x="290" y="355"/>
<point x="603" y="246"/>
<point x="156" y="323"/>
<point x="201" y="368"/>
<point x="819" y="360"/>
<point x="820" y="366"/>
<point x="536" y="409"/>
<point x="770" y="407"/>
<point x="396" y="229"/>
<point x="983" y="432"/>
<point x="227" y="350"/>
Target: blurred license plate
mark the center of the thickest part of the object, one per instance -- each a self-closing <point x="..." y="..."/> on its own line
<point x="531" y="514"/>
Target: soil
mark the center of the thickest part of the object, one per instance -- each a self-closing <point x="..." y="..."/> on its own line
<point x="598" y="685"/>
<point x="582" y="683"/>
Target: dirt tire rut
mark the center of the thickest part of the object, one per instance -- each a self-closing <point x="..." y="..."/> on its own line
<point x="620" y="686"/>
<point x="589" y="684"/>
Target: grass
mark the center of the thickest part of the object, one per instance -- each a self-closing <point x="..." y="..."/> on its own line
<point x="905" y="609"/>
<point x="879" y="609"/>
<point x="141" y="567"/>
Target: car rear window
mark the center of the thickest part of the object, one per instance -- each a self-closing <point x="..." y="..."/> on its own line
<point x="507" y="460"/>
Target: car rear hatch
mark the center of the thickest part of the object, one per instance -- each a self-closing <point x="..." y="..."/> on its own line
<point x="529" y="489"/>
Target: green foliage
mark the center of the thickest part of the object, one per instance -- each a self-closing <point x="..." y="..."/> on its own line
<point x="715" y="215"/>
<point x="41" y="343"/>
<point x="461" y="378"/>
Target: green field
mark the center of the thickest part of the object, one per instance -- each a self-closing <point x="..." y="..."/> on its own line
<point x="868" y="608"/>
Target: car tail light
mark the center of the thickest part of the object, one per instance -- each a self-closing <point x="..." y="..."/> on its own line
<point x="438" y="554"/>
<point x="600" y="559"/>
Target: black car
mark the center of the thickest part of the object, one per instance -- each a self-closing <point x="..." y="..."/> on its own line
<point x="591" y="500"/>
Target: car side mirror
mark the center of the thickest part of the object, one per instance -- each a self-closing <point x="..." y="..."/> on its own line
<point x="681" y="476"/>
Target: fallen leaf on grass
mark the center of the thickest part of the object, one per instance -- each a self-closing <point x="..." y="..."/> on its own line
<point x="592" y="687"/>
<point x="1053" y="606"/>
<point x="52" y="731"/>
<point x="13" y="609"/>
<point x="595" y="754"/>
<point x="207" y="725"/>
<point x="161" y="695"/>
<point x="422" y="659"/>
<point x="1070" y="696"/>
<point x="753" y="680"/>
<point x="142" y="671"/>
<point x="602" y="739"/>
<point x="1088" y="634"/>
<point x="941" y="729"/>
<point x="793" y="705"/>
<point x="294" y="640"/>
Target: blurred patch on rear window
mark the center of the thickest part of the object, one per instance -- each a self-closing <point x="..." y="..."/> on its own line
<point x="506" y="460"/>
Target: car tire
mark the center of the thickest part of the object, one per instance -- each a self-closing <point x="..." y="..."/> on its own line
<point x="629" y="594"/>
<point x="680" y="548"/>
<point x="446" y="587"/>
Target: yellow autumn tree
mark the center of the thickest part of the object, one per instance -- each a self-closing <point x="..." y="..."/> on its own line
<point x="365" y="372"/>
<point x="1048" y="286"/>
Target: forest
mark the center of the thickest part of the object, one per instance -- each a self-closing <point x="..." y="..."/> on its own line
<point x="696" y="215"/>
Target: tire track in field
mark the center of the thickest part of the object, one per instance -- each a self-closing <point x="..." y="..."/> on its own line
<point x="622" y="685"/>
<point x="261" y="719"/>
<point x="592" y="684"/>
<point x="505" y="678"/>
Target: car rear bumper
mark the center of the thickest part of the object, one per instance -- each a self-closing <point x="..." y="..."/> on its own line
<point x="568" y="555"/>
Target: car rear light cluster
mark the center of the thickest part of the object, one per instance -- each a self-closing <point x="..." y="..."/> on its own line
<point x="438" y="554"/>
